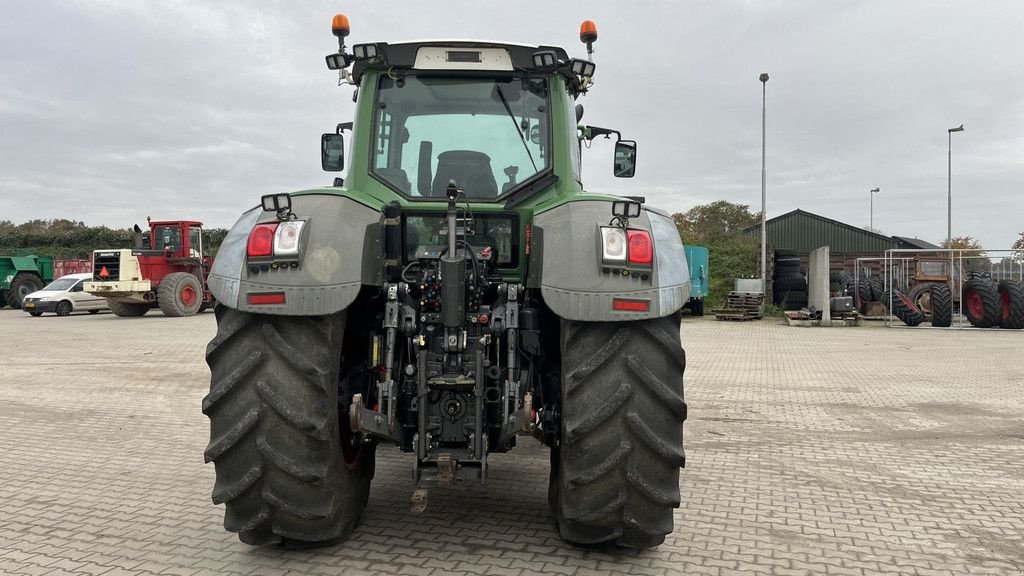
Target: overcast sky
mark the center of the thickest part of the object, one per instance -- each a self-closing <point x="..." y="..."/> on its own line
<point x="114" y="110"/>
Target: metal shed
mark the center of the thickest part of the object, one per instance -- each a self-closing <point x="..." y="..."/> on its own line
<point x="803" y="231"/>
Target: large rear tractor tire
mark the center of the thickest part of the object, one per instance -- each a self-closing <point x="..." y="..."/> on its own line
<point x="615" y="474"/>
<point x="128" y="309"/>
<point x="23" y="284"/>
<point x="180" y="294"/>
<point x="903" y="308"/>
<point x="981" y="303"/>
<point x="941" y="302"/>
<point x="1011" y="300"/>
<point x="287" y="468"/>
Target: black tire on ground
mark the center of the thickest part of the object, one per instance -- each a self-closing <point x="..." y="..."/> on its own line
<point x="287" y="467"/>
<point x="63" y="308"/>
<point x="35" y="313"/>
<point x="921" y="295"/>
<point x="903" y="308"/>
<point x="94" y="311"/>
<point x="3" y="298"/>
<point x="981" y="303"/>
<point x="180" y="294"/>
<point x="794" y="301"/>
<point x="23" y="284"/>
<point x="1011" y="300"/>
<point x="697" y="308"/>
<point x="941" y="301"/>
<point x="127" y="309"/>
<point x="621" y="446"/>
<point x="780" y="253"/>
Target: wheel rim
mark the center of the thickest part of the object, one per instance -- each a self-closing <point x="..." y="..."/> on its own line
<point x="908" y="303"/>
<point x="974" y="304"/>
<point x="1004" y="299"/>
<point x="63" y="309"/>
<point x="188" y="296"/>
<point x="24" y="290"/>
<point x="351" y="448"/>
<point x="924" y="302"/>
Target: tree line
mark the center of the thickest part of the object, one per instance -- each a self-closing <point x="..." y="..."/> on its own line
<point x="73" y="240"/>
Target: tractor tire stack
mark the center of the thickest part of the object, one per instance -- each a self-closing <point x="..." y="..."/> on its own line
<point x="788" y="282"/>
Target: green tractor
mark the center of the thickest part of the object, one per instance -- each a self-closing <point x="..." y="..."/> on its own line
<point x="458" y="291"/>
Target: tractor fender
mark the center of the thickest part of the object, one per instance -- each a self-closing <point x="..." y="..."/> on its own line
<point x="573" y="280"/>
<point x="339" y="253"/>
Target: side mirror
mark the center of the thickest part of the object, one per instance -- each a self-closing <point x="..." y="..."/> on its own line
<point x="625" y="159"/>
<point x="332" y="152"/>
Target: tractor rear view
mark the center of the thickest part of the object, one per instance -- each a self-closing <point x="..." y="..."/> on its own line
<point x="457" y="293"/>
<point x="167" y="269"/>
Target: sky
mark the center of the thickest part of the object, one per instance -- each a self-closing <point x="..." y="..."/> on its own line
<point x="114" y="110"/>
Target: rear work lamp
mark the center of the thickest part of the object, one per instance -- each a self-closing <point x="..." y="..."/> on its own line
<point x="626" y="209"/>
<point x="277" y="202"/>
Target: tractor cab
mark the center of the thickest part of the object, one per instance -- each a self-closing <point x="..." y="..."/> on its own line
<point x="176" y="239"/>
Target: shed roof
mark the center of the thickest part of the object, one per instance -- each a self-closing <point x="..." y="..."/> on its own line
<point x="908" y="242"/>
<point x="803" y="231"/>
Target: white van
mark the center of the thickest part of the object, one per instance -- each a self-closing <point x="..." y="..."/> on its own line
<point x="64" y="296"/>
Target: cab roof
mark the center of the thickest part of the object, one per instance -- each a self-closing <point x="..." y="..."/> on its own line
<point x="402" y="55"/>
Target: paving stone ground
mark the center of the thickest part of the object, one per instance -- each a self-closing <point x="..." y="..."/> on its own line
<point x="810" y="451"/>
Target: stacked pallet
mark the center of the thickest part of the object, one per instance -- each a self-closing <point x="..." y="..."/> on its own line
<point x="741" y="306"/>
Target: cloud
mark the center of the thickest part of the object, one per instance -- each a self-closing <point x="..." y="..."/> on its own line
<point x="114" y="110"/>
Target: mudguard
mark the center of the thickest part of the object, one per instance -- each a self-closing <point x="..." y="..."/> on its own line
<point x="340" y="252"/>
<point x="573" y="281"/>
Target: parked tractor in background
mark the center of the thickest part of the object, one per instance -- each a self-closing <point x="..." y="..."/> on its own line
<point x="21" y="276"/>
<point x="457" y="292"/>
<point x="697" y="259"/>
<point x="167" y="269"/>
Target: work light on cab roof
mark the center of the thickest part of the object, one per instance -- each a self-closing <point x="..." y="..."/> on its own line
<point x="396" y="57"/>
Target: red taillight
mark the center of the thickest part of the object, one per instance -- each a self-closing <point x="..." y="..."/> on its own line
<point x="641" y="249"/>
<point x="631" y="305"/>
<point x="269" y="298"/>
<point x="261" y="240"/>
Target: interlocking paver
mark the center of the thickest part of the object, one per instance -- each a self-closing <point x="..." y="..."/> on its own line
<point x="809" y="451"/>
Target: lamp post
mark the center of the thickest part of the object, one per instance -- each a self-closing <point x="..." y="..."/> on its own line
<point x="873" y="191"/>
<point x="764" y="233"/>
<point x="949" y="187"/>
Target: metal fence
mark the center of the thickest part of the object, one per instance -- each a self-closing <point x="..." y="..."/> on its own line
<point x="900" y="267"/>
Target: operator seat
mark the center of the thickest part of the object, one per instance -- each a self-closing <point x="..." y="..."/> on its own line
<point x="470" y="170"/>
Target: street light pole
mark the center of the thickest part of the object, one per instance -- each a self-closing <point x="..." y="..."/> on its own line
<point x="764" y="231"/>
<point x="949" y="186"/>
<point x="872" y="195"/>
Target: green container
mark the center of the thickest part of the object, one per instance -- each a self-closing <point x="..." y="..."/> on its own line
<point x="22" y="275"/>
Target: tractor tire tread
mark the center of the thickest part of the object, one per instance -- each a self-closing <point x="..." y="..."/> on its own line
<point x="991" y="312"/>
<point x="275" y="440"/>
<point x="615" y="476"/>
<point x="942" y="305"/>
<point x="1011" y="296"/>
<point x="170" y="288"/>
